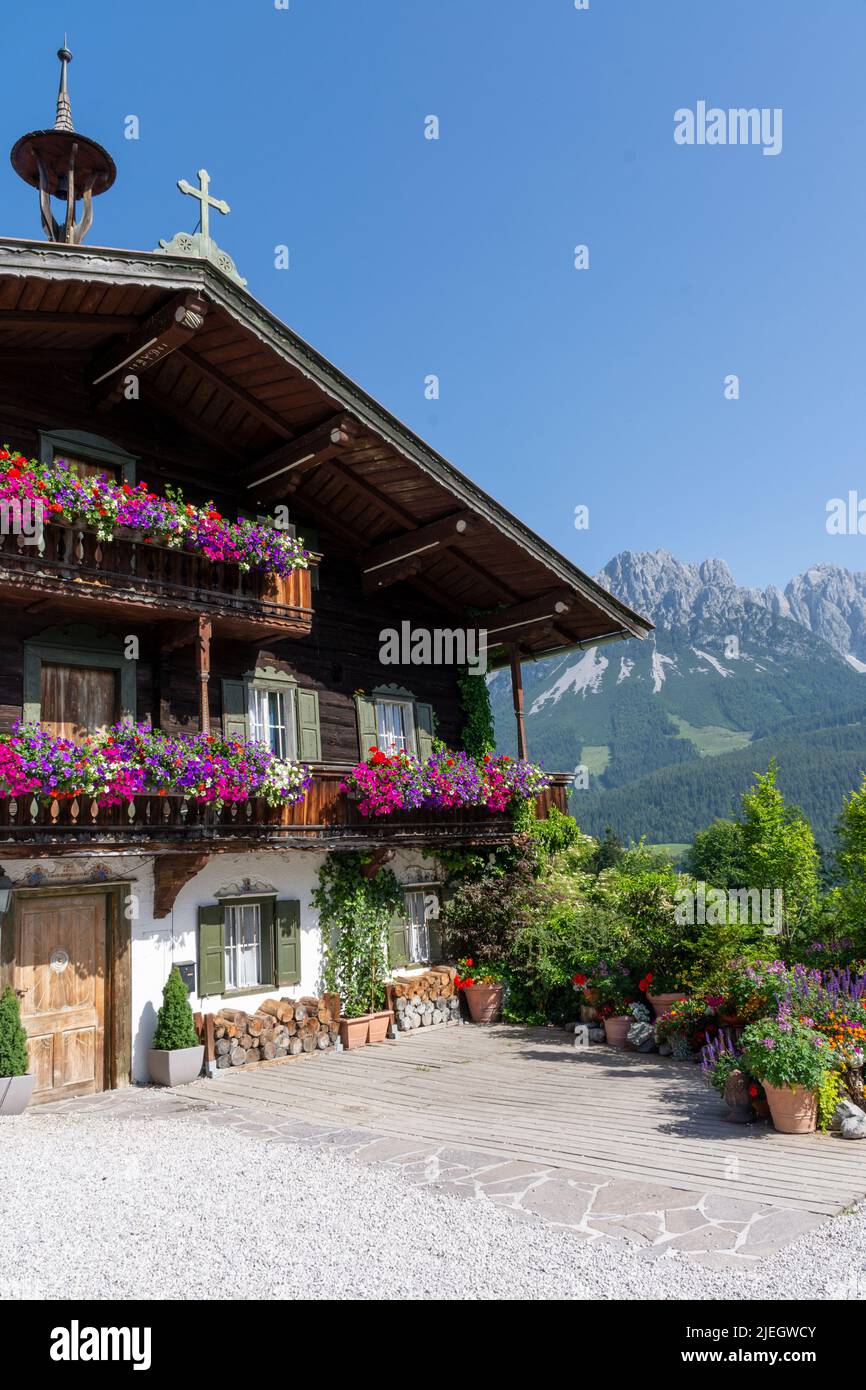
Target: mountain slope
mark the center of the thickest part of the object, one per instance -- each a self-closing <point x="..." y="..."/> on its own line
<point x="730" y="676"/>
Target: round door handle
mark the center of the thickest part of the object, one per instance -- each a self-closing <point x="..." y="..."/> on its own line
<point x="21" y="993"/>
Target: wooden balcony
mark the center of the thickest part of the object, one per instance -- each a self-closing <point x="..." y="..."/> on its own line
<point x="326" y="816"/>
<point x="127" y="574"/>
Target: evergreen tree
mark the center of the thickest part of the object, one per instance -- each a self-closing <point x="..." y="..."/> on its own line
<point x="174" y="1024"/>
<point x="851" y="862"/>
<point x="13" y="1038"/>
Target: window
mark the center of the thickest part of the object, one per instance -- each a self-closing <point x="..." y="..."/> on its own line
<point x="243" y="948"/>
<point x="395" y="726"/>
<point x="248" y="943"/>
<point x="77" y="681"/>
<point x="414" y="932"/>
<point x="89" y="455"/>
<point x="272" y="720"/>
<point x="419" y="932"/>
<point x="268" y="706"/>
<point x="392" y="719"/>
<point x="77" y="701"/>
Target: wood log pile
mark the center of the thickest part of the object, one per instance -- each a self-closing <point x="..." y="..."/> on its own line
<point x="425" y="1000"/>
<point x="278" y="1028"/>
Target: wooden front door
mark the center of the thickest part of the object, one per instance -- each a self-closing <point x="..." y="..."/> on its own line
<point x="58" y="971"/>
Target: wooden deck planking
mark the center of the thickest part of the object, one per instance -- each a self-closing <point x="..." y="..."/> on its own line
<point x="528" y="1094"/>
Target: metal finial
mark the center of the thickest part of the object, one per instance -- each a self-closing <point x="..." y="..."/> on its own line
<point x="63" y="119"/>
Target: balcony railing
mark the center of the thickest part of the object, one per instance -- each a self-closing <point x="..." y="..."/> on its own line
<point x="130" y="570"/>
<point x="326" y="814"/>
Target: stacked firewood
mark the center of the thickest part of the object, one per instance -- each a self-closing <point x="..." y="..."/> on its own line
<point x="425" y="1000"/>
<point x="278" y="1028"/>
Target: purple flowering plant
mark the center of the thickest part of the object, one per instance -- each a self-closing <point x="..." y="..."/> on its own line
<point x="387" y="783"/>
<point x="103" y="505"/>
<point x="786" y="1052"/>
<point x="131" y="760"/>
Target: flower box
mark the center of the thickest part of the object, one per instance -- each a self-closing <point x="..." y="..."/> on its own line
<point x="447" y="780"/>
<point x="111" y="508"/>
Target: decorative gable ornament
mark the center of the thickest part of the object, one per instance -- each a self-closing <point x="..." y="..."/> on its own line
<point x="201" y="243"/>
<point x="246" y="888"/>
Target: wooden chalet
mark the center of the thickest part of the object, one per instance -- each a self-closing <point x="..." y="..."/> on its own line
<point x="160" y="365"/>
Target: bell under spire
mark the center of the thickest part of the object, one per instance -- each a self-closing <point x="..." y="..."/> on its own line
<point x="65" y="165"/>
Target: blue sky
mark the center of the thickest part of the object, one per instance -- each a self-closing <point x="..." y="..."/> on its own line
<point x="559" y="387"/>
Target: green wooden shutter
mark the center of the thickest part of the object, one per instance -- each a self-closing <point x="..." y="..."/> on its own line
<point x="236" y="722"/>
<point x="309" y="735"/>
<point x="211" y="951"/>
<point x="266" y="921"/>
<point x="424" y="730"/>
<point x="287" y="934"/>
<point x="398" y="939"/>
<point x="368" y="735"/>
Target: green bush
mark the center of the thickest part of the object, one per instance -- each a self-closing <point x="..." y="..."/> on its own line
<point x="13" y="1038"/>
<point x="355" y="911"/>
<point x="790" y="1055"/>
<point x="174" y="1025"/>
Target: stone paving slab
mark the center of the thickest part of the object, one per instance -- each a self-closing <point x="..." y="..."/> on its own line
<point x="654" y="1220"/>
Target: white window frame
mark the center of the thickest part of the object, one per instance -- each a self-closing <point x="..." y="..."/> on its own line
<point x="260" y="691"/>
<point x="419" y="932"/>
<point x="233" y="949"/>
<point x="407" y="709"/>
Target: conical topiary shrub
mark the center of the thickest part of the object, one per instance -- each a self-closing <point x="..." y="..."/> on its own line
<point x="174" y="1025"/>
<point x="13" y="1038"/>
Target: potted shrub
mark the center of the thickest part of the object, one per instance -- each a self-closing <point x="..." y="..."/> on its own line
<point x="16" y="1082"/>
<point x="176" y="1054"/>
<point x="357" y="899"/>
<point x="792" y="1061"/>
<point x="685" y="1026"/>
<point x="482" y="991"/>
<point x="661" y="991"/>
<point x="614" y="999"/>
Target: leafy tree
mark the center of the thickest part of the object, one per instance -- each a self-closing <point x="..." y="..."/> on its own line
<point x="851" y="863"/>
<point x="174" y="1024"/>
<point x="13" y="1038"/>
<point x="717" y="855"/>
<point x="779" y="848"/>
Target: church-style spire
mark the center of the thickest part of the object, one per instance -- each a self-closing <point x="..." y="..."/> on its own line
<point x="63" y="164"/>
<point x="63" y="119"/>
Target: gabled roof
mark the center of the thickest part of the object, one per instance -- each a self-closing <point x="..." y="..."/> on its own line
<point x="276" y="421"/>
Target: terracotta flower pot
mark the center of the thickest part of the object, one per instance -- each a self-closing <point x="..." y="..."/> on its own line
<point x="793" y="1111"/>
<point x="15" y="1092"/>
<point x="379" y="1027"/>
<point x="355" y="1032"/>
<point x="616" y="1029"/>
<point x="662" y="1002"/>
<point x="485" y="1002"/>
<point x="175" y="1068"/>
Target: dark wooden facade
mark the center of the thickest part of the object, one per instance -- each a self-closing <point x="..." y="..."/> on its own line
<point x="241" y="411"/>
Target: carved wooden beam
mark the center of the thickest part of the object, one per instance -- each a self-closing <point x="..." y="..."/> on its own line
<point x="202" y="666"/>
<point x="170" y="873"/>
<point x="382" y="565"/>
<point x="272" y="476"/>
<point x="161" y="334"/>
<point x="510" y="624"/>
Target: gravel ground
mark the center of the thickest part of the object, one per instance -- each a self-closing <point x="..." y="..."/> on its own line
<point x="114" y="1208"/>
